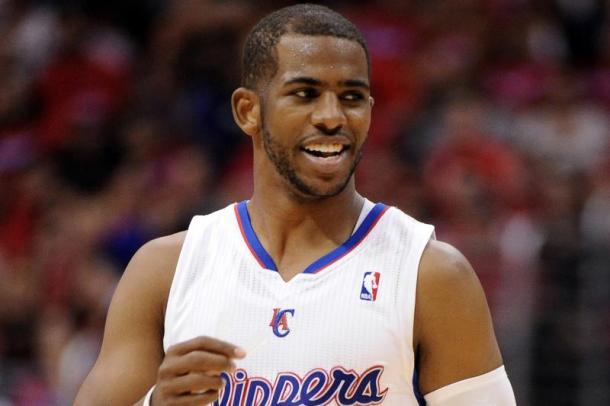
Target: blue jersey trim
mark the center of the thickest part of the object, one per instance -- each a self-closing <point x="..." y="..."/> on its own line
<point x="418" y="395"/>
<point x="265" y="259"/>
<point x="259" y="251"/>
<point x="367" y="225"/>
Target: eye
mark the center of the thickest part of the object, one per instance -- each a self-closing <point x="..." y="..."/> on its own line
<point x="352" y="96"/>
<point x="306" y="93"/>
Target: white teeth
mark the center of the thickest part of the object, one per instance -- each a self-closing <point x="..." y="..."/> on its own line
<point x="325" y="148"/>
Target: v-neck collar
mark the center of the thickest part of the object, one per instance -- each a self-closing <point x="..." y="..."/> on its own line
<point x="264" y="259"/>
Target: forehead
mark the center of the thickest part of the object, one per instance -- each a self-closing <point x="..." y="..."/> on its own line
<point x="321" y="57"/>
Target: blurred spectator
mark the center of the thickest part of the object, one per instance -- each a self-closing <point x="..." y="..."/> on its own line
<point x="564" y="131"/>
<point x="470" y="169"/>
<point x="85" y="82"/>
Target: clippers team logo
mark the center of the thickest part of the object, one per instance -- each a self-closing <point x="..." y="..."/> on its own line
<point x="370" y="283"/>
<point x="279" y="321"/>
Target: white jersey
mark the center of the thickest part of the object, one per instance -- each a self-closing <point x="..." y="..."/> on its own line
<point x="341" y="332"/>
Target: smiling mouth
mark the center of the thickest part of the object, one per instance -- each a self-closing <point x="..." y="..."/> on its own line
<point x="325" y="150"/>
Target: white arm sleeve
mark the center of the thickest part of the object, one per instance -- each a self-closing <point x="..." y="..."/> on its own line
<point x="490" y="389"/>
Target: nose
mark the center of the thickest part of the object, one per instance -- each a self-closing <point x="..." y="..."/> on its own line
<point x="328" y="115"/>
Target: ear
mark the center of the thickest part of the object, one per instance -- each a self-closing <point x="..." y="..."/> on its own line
<point x="371" y="101"/>
<point x="246" y="110"/>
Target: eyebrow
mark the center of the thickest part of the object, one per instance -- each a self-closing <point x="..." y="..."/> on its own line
<point x="355" y="83"/>
<point x="306" y="80"/>
<point x="303" y="80"/>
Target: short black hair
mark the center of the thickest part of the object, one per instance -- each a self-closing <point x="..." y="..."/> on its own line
<point x="259" y="56"/>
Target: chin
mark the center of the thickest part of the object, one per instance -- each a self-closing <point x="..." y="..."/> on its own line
<point x="319" y="189"/>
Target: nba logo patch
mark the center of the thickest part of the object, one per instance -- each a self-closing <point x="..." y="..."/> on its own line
<point x="370" y="283"/>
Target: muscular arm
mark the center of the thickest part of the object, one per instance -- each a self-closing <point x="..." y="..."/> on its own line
<point x="453" y="333"/>
<point x="132" y="347"/>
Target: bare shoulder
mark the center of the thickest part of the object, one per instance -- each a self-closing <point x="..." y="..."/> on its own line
<point x="453" y="331"/>
<point x="442" y="267"/>
<point x="164" y="248"/>
<point x="132" y="346"/>
<point x="447" y="286"/>
<point x="154" y="264"/>
<point x="158" y="257"/>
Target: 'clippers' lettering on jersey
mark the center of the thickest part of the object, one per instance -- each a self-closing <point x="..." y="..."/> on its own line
<point x="279" y="322"/>
<point x="370" y="284"/>
<point x="317" y="388"/>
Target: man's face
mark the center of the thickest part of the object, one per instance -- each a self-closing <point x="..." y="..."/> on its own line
<point x="316" y="113"/>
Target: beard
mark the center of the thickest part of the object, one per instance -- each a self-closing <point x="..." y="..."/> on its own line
<point x="280" y="157"/>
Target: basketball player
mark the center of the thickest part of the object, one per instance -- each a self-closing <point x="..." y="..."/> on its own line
<point x="308" y="293"/>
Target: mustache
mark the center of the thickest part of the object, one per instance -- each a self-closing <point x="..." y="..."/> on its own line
<point x="333" y="133"/>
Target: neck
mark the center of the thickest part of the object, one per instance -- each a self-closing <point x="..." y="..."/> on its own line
<point x="286" y="224"/>
<point x="290" y="210"/>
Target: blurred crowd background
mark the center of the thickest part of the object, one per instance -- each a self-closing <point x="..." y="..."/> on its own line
<point x="491" y="121"/>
